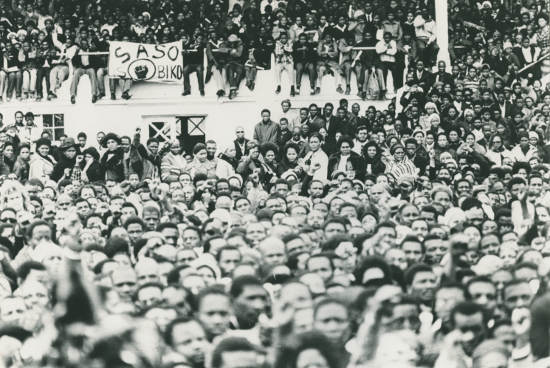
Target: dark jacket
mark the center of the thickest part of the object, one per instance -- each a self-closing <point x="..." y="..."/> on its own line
<point x="95" y="172"/>
<point x="238" y="149"/>
<point x="356" y="161"/>
<point x="425" y="80"/>
<point x="77" y="60"/>
<point x="62" y="164"/>
<point x="113" y="166"/>
<point x="304" y="53"/>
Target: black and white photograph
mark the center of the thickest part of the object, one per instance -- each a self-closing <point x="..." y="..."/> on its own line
<point x="274" y="183"/>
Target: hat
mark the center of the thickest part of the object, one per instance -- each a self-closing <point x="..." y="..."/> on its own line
<point x="108" y="137"/>
<point x="232" y="38"/>
<point x="337" y="173"/>
<point x="533" y="135"/>
<point x="207" y="260"/>
<point x="358" y="13"/>
<point x="395" y="147"/>
<point x="405" y="179"/>
<point x="358" y="182"/>
<point x="486" y="5"/>
<point x="43" y="142"/>
<point x="432" y="105"/>
<point x="68" y="143"/>
<point x="92" y="152"/>
<point x="288" y="175"/>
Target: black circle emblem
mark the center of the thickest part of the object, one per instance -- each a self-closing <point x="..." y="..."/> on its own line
<point x="142" y="69"/>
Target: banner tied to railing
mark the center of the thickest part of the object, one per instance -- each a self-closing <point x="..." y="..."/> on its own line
<point x="145" y="62"/>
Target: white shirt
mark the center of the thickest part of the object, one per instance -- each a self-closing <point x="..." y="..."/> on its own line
<point x="526" y="51"/>
<point x="321" y="158"/>
<point x="342" y="164"/>
<point x="358" y="146"/>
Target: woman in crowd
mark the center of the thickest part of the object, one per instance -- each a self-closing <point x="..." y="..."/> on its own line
<point x="68" y="162"/>
<point x="291" y="160"/>
<point x="21" y="167"/>
<point x="373" y="159"/>
<point x="42" y="163"/>
<point x="112" y="161"/>
<point x="8" y="156"/>
<point x="496" y="150"/>
<point x="173" y="163"/>
<point x="270" y="166"/>
<point x="316" y="157"/>
<point x="345" y="160"/>
<point x="200" y="163"/>
<point x="91" y="167"/>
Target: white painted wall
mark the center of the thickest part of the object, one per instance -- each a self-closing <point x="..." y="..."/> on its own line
<point x="152" y="101"/>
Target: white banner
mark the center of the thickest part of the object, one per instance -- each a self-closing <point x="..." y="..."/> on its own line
<point x="146" y="62"/>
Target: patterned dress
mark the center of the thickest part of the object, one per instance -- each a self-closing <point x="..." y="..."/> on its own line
<point x="543" y="39"/>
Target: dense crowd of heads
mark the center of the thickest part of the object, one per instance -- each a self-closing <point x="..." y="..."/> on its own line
<point x="332" y="236"/>
<point x="43" y="42"/>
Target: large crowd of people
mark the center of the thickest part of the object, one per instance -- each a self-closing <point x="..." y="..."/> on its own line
<point x="332" y="237"/>
<point x="47" y="42"/>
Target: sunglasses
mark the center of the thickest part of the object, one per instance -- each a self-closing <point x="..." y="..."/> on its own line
<point x="11" y="220"/>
